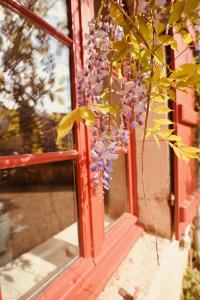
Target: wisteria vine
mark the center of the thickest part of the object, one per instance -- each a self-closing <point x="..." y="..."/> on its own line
<point x="109" y="134"/>
<point x="125" y="75"/>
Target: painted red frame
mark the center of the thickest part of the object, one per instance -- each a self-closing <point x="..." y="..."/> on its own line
<point x="88" y="275"/>
<point x="186" y="119"/>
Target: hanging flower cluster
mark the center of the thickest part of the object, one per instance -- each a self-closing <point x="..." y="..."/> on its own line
<point x="95" y="91"/>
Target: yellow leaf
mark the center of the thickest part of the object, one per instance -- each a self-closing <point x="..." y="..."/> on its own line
<point x="190" y="6"/>
<point x="153" y="128"/>
<point x="176" y="11"/>
<point x="66" y="124"/>
<point x="157" y="141"/>
<point x="107" y="108"/>
<point x="157" y="74"/>
<point x="161" y="109"/>
<point x="186" y="36"/>
<point x="192" y="155"/>
<point x="174" y="138"/>
<point x="148" y="133"/>
<point x="167" y="39"/>
<point x="160" y="98"/>
<point x="161" y="27"/>
<point x="60" y="89"/>
<point x="172" y="95"/>
<point x="144" y="28"/>
<point x="165" y="133"/>
<point x="191" y="149"/>
<point x="116" y="14"/>
<point x="87" y="115"/>
<point x="158" y="52"/>
<point x="184" y="71"/>
<point x="176" y="151"/>
<point x="163" y="121"/>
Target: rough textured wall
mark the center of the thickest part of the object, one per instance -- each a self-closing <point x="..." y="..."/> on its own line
<point x="157" y="177"/>
<point x="139" y="271"/>
<point x="157" y="185"/>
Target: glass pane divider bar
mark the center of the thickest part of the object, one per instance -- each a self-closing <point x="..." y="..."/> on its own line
<point x="38" y="21"/>
<point x="13" y="161"/>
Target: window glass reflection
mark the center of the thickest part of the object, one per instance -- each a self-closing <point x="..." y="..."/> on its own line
<point x="53" y="11"/>
<point x="116" y="199"/>
<point x="34" y="87"/>
<point x="38" y="231"/>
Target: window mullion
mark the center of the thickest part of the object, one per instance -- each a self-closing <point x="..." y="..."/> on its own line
<point x="38" y="21"/>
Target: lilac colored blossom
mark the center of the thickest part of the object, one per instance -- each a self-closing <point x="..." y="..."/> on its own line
<point x="108" y="137"/>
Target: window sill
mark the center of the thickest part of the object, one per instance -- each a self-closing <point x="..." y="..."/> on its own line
<point x="86" y="278"/>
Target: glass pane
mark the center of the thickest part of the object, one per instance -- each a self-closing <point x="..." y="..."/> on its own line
<point x="34" y="87"/>
<point x="116" y="199"/>
<point x="53" y="11"/>
<point x="38" y="225"/>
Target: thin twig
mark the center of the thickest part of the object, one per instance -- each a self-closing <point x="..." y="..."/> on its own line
<point x="142" y="152"/>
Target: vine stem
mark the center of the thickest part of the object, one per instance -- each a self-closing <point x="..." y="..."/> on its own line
<point x="143" y="146"/>
<point x="100" y="10"/>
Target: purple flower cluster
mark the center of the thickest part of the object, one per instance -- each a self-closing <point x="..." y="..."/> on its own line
<point x="108" y="135"/>
<point x="134" y="100"/>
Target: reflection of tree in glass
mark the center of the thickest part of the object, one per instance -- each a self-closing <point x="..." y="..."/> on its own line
<point x="53" y="11"/>
<point x="28" y="68"/>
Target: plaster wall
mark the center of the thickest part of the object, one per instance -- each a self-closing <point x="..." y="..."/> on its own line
<point x="140" y="275"/>
<point x="156" y="185"/>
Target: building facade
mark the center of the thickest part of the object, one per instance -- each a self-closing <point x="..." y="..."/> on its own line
<point x="58" y="238"/>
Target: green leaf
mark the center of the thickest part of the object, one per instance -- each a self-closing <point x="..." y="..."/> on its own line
<point x="161" y="109"/>
<point x="176" y="11"/>
<point x="163" y="121"/>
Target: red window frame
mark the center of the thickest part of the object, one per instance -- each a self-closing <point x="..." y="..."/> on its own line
<point x="100" y="253"/>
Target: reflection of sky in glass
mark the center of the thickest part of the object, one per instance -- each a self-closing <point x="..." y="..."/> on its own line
<point x="60" y="55"/>
<point x="56" y="14"/>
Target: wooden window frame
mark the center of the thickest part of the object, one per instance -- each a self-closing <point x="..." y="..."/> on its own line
<point x="100" y="252"/>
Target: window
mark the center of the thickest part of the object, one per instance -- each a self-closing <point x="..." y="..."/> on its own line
<point x="116" y="199"/>
<point x="38" y="213"/>
<point x="53" y="226"/>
